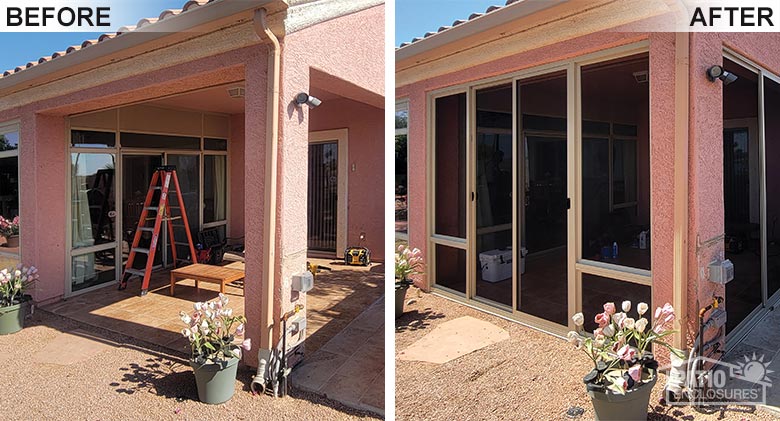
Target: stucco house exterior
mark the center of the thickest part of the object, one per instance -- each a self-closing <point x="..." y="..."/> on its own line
<point x="211" y="89"/>
<point x="563" y="154"/>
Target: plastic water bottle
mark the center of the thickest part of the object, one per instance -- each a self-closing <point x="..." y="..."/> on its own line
<point x="614" y="250"/>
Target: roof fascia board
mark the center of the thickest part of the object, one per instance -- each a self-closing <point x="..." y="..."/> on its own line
<point x="547" y="27"/>
<point x="490" y="20"/>
<point x="183" y="26"/>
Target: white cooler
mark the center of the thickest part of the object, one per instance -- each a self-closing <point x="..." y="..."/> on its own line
<point x="496" y="265"/>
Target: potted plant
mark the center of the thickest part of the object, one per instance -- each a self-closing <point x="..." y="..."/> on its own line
<point x="13" y="301"/>
<point x="10" y="230"/>
<point x="215" y="338"/>
<point x="408" y="262"/>
<point x="624" y="368"/>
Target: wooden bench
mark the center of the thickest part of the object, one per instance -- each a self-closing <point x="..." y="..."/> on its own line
<point x="206" y="273"/>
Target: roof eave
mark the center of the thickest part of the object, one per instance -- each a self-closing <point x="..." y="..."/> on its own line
<point x="472" y="27"/>
<point x="112" y="50"/>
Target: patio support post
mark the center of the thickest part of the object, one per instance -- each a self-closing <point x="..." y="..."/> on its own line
<point x="681" y="129"/>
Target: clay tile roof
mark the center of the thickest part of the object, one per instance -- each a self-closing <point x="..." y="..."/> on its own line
<point x="165" y="14"/>
<point x="459" y="22"/>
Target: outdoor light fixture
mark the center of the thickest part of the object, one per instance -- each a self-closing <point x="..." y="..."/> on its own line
<point x="304" y="98"/>
<point x="718" y="72"/>
<point x="642" y="77"/>
<point x="237" y="92"/>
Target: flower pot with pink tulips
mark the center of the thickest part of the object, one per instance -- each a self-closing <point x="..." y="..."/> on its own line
<point x="216" y="340"/>
<point x="620" y="348"/>
<point x="408" y="262"/>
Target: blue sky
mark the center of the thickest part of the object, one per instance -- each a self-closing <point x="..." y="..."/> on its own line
<point x="413" y="18"/>
<point x="21" y="48"/>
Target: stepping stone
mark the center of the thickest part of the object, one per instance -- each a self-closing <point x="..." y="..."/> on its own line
<point x="454" y="339"/>
<point x="70" y="348"/>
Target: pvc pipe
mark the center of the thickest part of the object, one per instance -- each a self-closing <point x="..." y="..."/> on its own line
<point x="271" y="168"/>
<point x="260" y="380"/>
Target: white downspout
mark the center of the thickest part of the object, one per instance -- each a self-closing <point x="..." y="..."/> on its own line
<point x="269" y="203"/>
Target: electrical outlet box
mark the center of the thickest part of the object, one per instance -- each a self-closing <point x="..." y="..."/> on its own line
<point x="721" y="272"/>
<point x="303" y="282"/>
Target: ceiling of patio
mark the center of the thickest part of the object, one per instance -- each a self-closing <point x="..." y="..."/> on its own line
<point x="213" y="100"/>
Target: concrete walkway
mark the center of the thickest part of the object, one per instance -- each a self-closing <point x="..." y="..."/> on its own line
<point x="763" y="341"/>
<point x="349" y="368"/>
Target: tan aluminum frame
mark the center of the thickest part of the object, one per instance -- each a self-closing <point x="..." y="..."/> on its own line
<point x="576" y="266"/>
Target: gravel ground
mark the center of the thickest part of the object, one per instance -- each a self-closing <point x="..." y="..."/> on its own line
<point x="531" y="376"/>
<point x="131" y="381"/>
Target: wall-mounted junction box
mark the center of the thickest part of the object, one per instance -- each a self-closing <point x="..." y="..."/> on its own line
<point x="303" y="282"/>
<point x="721" y="271"/>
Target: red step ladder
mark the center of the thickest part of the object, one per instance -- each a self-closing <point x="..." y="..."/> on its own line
<point x="161" y="180"/>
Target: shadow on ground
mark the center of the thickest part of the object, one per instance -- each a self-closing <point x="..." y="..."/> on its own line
<point x="416" y="320"/>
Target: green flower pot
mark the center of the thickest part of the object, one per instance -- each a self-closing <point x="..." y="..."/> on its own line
<point x="400" y="298"/>
<point x="632" y="406"/>
<point x="12" y="318"/>
<point x="216" y="382"/>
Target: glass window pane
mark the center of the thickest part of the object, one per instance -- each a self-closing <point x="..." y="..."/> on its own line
<point x="772" y="177"/>
<point x="623" y="171"/>
<point x="742" y="193"/>
<point x="214" y="144"/>
<point x="9" y="141"/>
<point x="214" y="188"/>
<point x="139" y="140"/>
<point x="93" y="202"/>
<point x="611" y="95"/>
<point x="450" y="155"/>
<point x="93" y="269"/>
<point x="401" y="119"/>
<point x="597" y="290"/>
<point x="9" y="203"/>
<point x="542" y="204"/>
<point x="401" y="183"/>
<point x="451" y="268"/>
<point x="188" y="173"/>
<point x="87" y="139"/>
<point x="494" y="194"/>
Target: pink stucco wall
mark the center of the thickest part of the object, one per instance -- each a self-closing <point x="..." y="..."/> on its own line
<point x="366" y="165"/>
<point x="303" y="53"/>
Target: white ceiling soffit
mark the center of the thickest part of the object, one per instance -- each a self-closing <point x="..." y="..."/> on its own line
<point x="305" y="13"/>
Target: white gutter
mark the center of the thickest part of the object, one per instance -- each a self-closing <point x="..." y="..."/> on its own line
<point x="271" y="167"/>
<point x="185" y="22"/>
<point x="475" y="26"/>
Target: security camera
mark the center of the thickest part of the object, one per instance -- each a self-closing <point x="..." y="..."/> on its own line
<point x="304" y="98"/>
<point x="718" y="72"/>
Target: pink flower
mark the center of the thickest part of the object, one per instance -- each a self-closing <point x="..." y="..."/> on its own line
<point x="247" y="344"/>
<point x="609" y="308"/>
<point x="626" y="353"/>
<point x="240" y="330"/>
<point x="635" y="372"/>
<point x="602" y="319"/>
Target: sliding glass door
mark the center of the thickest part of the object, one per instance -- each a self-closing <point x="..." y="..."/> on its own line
<point x="543" y="209"/>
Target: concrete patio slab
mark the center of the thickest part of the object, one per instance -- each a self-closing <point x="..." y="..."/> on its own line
<point x="71" y="347"/>
<point x="454" y="339"/>
<point x="349" y="368"/>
